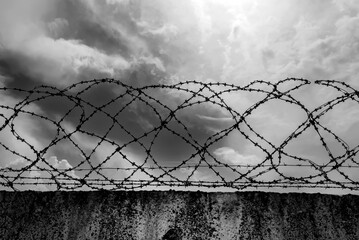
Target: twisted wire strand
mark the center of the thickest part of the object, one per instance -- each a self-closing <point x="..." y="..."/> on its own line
<point x="92" y="174"/>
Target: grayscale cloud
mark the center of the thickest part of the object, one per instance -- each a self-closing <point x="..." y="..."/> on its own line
<point x="59" y="43"/>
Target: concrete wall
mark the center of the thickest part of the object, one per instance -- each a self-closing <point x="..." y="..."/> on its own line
<point x="177" y="215"/>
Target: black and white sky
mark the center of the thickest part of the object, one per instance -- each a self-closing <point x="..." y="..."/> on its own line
<point x="139" y="42"/>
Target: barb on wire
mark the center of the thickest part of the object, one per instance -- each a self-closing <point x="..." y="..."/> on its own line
<point x="116" y="138"/>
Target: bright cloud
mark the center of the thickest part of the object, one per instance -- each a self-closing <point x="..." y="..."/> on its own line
<point x="231" y="156"/>
<point x="45" y="175"/>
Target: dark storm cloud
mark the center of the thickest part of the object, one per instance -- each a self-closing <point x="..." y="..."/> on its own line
<point x="136" y="118"/>
<point x="91" y="30"/>
<point x="14" y="67"/>
<point x="148" y="46"/>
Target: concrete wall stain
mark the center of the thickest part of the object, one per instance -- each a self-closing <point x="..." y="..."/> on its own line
<point x="171" y="215"/>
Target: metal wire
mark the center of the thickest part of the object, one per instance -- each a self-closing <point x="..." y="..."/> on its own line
<point x="167" y="104"/>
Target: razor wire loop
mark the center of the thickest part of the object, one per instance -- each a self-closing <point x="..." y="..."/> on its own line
<point x="64" y="180"/>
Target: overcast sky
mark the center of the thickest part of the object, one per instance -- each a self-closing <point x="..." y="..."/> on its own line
<point x="62" y="42"/>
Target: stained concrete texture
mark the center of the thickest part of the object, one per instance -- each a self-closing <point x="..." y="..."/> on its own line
<point x="177" y="215"/>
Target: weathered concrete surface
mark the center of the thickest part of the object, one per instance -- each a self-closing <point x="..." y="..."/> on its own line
<point x="177" y="215"/>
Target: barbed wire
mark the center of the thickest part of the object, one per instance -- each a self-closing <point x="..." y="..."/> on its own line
<point x="84" y="122"/>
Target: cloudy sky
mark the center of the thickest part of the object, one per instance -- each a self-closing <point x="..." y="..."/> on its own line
<point x="63" y="42"/>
